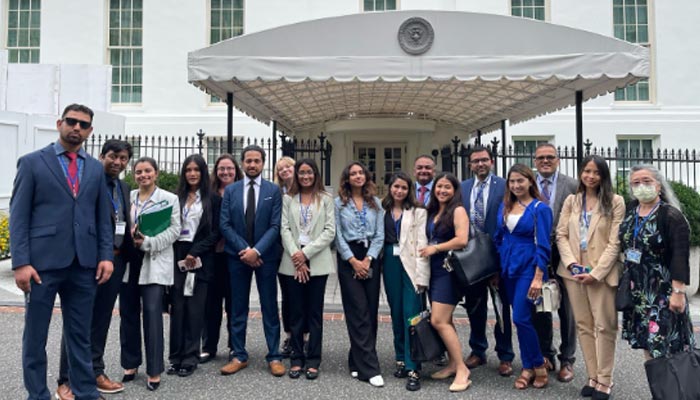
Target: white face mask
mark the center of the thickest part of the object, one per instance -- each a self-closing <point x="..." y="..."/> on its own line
<point x="644" y="193"/>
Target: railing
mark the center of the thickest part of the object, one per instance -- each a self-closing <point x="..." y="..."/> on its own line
<point x="679" y="165"/>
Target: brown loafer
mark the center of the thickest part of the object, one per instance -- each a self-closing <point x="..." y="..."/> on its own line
<point x="505" y="368"/>
<point x="233" y="367"/>
<point x="106" y="385"/>
<point x="474" y="361"/>
<point x="566" y="373"/>
<point x="277" y="368"/>
<point x="63" y="392"/>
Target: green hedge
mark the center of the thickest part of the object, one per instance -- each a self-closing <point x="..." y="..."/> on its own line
<point x="690" y="205"/>
<point x="166" y="181"/>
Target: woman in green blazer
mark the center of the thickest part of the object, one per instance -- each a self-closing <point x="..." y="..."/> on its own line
<point x="307" y="230"/>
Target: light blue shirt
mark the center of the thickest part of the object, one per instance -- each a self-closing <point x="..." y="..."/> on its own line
<point x="429" y="186"/>
<point x="353" y="225"/>
<point x="552" y="185"/>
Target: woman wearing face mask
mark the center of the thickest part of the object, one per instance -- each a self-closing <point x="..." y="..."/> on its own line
<point x="193" y="266"/>
<point x="406" y="273"/>
<point x="226" y="171"/>
<point x="284" y="178"/>
<point x="588" y="242"/>
<point x="655" y="239"/>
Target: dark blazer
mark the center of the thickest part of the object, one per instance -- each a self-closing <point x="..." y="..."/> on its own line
<point x="205" y="239"/>
<point x="268" y="215"/>
<point x="48" y="226"/>
<point x="566" y="185"/>
<point x="497" y="189"/>
<point x="127" y="249"/>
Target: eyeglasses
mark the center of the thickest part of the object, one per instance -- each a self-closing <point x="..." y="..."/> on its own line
<point x="543" y="158"/>
<point x="646" y="182"/>
<point x="477" y="161"/>
<point x="225" y="169"/>
<point x="305" y="173"/>
<point x="73" y="121"/>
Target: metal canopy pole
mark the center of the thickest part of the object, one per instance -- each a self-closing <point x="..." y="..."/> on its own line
<point x="579" y="128"/>
<point x="229" y="123"/>
<point x="503" y="144"/>
<point x="274" y="142"/>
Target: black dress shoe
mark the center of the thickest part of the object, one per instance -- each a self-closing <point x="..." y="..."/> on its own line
<point x="128" y="377"/>
<point x="152" y="386"/>
<point x="311" y="375"/>
<point x="294" y="373"/>
<point x="206" y="357"/>
<point x="173" y="369"/>
<point x="186" y="370"/>
<point x="286" y="348"/>
<point x="413" y="382"/>
<point x="400" y="370"/>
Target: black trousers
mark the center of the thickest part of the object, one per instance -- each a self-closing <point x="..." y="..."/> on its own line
<point x="105" y="297"/>
<point x="543" y="323"/>
<point x="186" y="314"/>
<point x="286" y="311"/>
<point x="132" y="299"/>
<point x="360" y="304"/>
<point x="306" y="311"/>
<point x="218" y="291"/>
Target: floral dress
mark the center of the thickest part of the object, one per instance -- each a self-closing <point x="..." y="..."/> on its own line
<point x="651" y="325"/>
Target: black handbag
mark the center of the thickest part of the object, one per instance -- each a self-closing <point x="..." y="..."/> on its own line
<point x="623" y="297"/>
<point x="425" y="342"/>
<point x="476" y="262"/>
<point x="675" y="377"/>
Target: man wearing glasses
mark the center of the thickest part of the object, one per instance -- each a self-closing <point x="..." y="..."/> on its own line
<point x="481" y="196"/>
<point x="61" y="240"/>
<point x="555" y="188"/>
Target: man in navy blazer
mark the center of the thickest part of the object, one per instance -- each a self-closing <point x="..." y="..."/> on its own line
<point x="250" y="222"/>
<point x="61" y="242"/>
<point x="492" y="190"/>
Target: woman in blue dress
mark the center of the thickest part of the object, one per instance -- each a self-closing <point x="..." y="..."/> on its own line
<point x="447" y="229"/>
<point x="522" y="239"/>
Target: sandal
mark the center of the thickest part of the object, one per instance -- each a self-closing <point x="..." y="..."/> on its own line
<point x="526" y="377"/>
<point x="602" y="391"/>
<point x="541" y="377"/>
<point x="587" y="391"/>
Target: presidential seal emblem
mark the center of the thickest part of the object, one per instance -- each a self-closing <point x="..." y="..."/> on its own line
<point x="416" y="36"/>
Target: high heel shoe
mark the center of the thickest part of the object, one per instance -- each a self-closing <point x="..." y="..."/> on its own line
<point x="152" y="386"/>
<point x="602" y="391"/>
<point x="129" y="377"/>
<point x="587" y="391"/>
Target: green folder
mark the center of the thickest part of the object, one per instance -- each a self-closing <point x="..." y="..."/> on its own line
<point x="153" y="223"/>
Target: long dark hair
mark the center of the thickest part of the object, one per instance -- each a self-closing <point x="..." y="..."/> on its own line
<point x="605" y="188"/>
<point x="509" y="199"/>
<point x="215" y="181"/>
<point x="317" y="189"/>
<point x="447" y="216"/>
<point x="204" y="187"/>
<point x="409" y="202"/>
<point x="368" y="190"/>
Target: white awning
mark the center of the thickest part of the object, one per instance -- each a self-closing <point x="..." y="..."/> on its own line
<point x="481" y="69"/>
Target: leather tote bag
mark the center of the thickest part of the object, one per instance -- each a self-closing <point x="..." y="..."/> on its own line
<point x="425" y="342"/>
<point x="476" y="262"/>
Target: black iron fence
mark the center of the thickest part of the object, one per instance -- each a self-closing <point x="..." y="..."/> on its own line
<point x="171" y="151"/>
<point x="679" y="165"/>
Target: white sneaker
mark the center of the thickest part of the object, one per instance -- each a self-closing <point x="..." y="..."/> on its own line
<point x="353" y="374"/>
<point x="376" y="381"/>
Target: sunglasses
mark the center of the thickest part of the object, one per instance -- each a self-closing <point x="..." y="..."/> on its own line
<point x="73" y="121"/>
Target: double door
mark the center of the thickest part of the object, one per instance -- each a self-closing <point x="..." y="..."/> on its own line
<point x="382" y="160"/>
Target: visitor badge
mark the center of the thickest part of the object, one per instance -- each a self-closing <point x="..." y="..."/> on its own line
<point x="633" y="256"/>
<point x="120" y="228"/>
<point x="395" y="250"/>
<point x="304" y="239"/>
<point x="365" y="242"/>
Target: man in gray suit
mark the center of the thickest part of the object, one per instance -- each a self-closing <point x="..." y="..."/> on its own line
<point x="555" y="188"/>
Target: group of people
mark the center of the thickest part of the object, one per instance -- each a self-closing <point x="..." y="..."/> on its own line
<point x="75" y="232"/>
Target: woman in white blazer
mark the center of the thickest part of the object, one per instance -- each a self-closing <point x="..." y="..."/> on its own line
<point x="147" y="277"/>
<point x="406" y="273"/>
<point x="307" y="230"/>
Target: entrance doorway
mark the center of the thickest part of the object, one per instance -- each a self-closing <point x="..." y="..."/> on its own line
<point x="382" y="160"/>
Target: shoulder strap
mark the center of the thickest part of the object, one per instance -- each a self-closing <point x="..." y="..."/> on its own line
<point x="534" y="214"/>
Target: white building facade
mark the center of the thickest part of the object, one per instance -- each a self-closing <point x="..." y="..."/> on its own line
<point x="146" y="42"/>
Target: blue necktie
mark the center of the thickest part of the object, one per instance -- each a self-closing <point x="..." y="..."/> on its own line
<point x="479" y="207"/>
<point x="545" y="191"/>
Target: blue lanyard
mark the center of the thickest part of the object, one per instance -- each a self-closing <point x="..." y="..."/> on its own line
<point x="397" y="223"/>
<point x="143" y="207"/>
<point x="73" y="182"/>
<point x="585" y="215"/>
<point x="638" y="225"/>
<point x="119" y="197"/>
<point x="305" y="212"/>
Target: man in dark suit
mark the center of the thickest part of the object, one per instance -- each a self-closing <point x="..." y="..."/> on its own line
<point x="482" y="195"/>
<point x="555" y="188"/>
<point x="115" y="156"/>
<point x="424" y="172"/>
<point x="250" y="223"/>
<point x="61" y="242"/>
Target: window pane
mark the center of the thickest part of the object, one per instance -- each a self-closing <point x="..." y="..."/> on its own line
<point x="238" y="20"/>
<point x="618" y="15"/>
<point x="379" y="5"/>
<point x="642" y="34"/>
<point x="643" y="89"/>
<point x="238" y="4"/>
<point x="137" y="76"/>
<point x="391" y="4"/>
<point x="619" y="31"/>
<point x="516" y="3"/>
<point x="23" y="38"/>
<point x="24" y="19"/>
<point x="642" y="16"/>
<point x="34" y="38"/>
<point x="24" y="56"/>
<point x="369" y="5"/>
<point x="539" y="3"/>
<point x="227" y="4"/>
<point x="527" y="3"/>
<point x="138" y="57"/>
<point x="631" y="34"/>
<point x="215" y="4"/>
<point x="136" y="95"/>
<point x="14" y="4"/>
<point x="539" y="14"/>
<point x="34" y="55"/>
<point x="126" y="19"/>
<point x="630" y="15"/>
<point x="114" y="37"/>
<point x="137" y="19"/>
<point x="215" y="19"/>
<point x="136" y="38"/>
<point x="12" y="38"/>
<point x="126" y="37"/>
<point x="35" y="19"/>
<point x="527" y="13"/>
<point x="126" y="75"/>
<point x="227" y="18"/>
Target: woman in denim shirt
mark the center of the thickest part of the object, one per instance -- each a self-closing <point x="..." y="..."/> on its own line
<point x="359" y="239"/>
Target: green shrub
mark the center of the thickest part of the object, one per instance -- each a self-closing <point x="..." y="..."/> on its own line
<point x="4" y="236"/>
<point x="690" y="205"/>
<point x="166" y="181"/>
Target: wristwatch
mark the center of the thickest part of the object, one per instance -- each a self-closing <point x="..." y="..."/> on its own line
<point x="678" y="290"/>
<point x="370" y="258"/>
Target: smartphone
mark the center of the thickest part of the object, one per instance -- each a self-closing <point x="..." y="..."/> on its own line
<point x="577" y="269"/>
